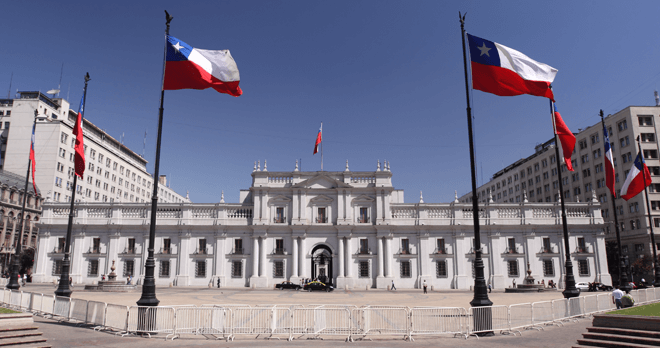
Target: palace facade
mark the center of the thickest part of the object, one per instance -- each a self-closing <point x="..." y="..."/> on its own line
<point x="350" y="229"/>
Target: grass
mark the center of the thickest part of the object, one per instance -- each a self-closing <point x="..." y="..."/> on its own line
<point x="650" y="310"/>
<point x="7" y="311"/>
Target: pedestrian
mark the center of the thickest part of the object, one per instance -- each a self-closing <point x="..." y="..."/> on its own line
<point x="25" y="279"/>
<point x="490" y="288"/>
<point x="218" y="283"/>
<point x="627" y="300"/>
<point x="616" y="297"/>
<point x="424" y="285"/>
<point x="393" y="287"/>
<point x="102" y="277"/>
<point x="514" y="283"/>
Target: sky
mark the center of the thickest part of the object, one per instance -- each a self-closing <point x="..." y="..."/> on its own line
<point x="385" y="77"/>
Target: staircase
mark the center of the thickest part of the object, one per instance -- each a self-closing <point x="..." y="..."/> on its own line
<point x="18" y="330"/>
<point x="616" y="331"/>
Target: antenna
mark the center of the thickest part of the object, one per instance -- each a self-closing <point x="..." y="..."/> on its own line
<point x="144" y="143"/>
<point x="122" y="138"/>
<point x="59" y="85"/>
<point x="67" y="91"/>
<point x="12" y="78"/>
<point x="657" y="98"/>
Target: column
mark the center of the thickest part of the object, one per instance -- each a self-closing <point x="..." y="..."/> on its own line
<point x="303" y="253"/>
<point x="255" y="256"/>
<point x="294" y="262"/>
<point x="381" y="256"/>
<point x="263" y="272"/>
<point x="388" y="256"/>
<point x="218" y="255"/>
<point x="349" y="257"/>
<point x="77" y="267"/>
<point x="341" y="256"/>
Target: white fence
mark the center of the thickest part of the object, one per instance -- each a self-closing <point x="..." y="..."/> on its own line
<point x="313" y="321"/>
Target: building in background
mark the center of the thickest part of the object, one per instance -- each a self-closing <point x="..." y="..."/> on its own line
<point x="114" y="173"/>
<point x="12" y="188"/>
<point x="536" y="178"/>
<point x="349" y="229"/>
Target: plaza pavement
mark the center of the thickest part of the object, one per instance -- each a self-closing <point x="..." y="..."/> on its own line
<point x="69" y="335"/>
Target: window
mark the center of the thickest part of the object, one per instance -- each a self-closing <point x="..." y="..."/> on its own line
<point x="582" y="144"/>
<point x="164" y="271"/>
<point x="586" y="173"/>
<point x="645" y="120"/>
<point x="650" y="154"/>
<point x="92" y="154"/>
<point x="441" y="269"/>
<point x="546" y="245"/>
<point x="279" y="215"/>
<point x="583" y="266"/>
<point x="238" y="246"/>
<point x="405" y="269"/>
<point x="648" y="137"/>
<point x="581" y="244"/>
<point x="511" y="242"/>
<point x="585" y="158"/>
<point x="62" y="153"/>
<point x="93" y="268"/>
<point x="623" y="142"/>
<point x="597" y="154"/>
<point x="279" y="246"/>
<point x="364" y="246"/>
<point x="57" y="267"/>
<point x="363" y="271"/>
<point x="512" y="266"/>
<point x="200" y="269"/>
<point x="278" y="269"/>
<point x="594" y="138"/>
<point x="201" y="246"/>
<point x="63" y="138"/>
<point x="639" y="247"/>
<point x="405" y="246"/>
<point x="545" y="175"/>
<point x="58" y="182"/>
<point x="548" y="268"/>
<point x="237" y="269"/>
<point x="364" y="215"/>
<point x="321" y="218"/>
<point x="96" y="245"/>
<point x="130" y="247"/>
<point x="654" y="170"/>
<point x="129" y="268"/>
<point x="440" y="246"/>
<point x="623" y="125"/>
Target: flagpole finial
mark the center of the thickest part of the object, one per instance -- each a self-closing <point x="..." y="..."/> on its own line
<point x="87" y="78"/>
<point x="601" y="114"/>
<point x="168" y="18"/>
<point x="346" y="170"/>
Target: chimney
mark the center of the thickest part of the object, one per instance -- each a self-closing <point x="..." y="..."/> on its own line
<point x="162" y="180"/>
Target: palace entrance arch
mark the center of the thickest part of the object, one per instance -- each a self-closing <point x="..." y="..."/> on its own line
<point x="322" y="264"/>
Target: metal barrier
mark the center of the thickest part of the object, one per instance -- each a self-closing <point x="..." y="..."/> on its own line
<point x="35" y="302"/>
<point x="62" y="307"/>
<point x="116" y="318"/>
<point x="605" y="302"/>
<point x="48" y="304"/>
<point x="322" y="321"/>
<point x="438" y="321"/>
<point x="382" y="320"/>
<point x="26" y="300"/>
<point x="78" y="310"/>
<point x="151" y="320"/>
<point x="202" y="321"/>
<point x="5" y="294"/>
<point x="575" y="307"/>
<point x="488" y="319"/>
<point x="542" y="313"/>
<point x="15" y="299"/>
<point x="95" y="314"/>
<point x="250" y="321"/>
<point x="590" y="304"/>
<point x="520" y="316"/>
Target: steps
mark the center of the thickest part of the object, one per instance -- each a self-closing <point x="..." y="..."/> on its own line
<point x="630" y="334"/>
<point x="19" y="331"/>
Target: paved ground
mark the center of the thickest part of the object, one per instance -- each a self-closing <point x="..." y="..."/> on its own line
<point x="204" y="295"/>
<point x="69" y="335"/>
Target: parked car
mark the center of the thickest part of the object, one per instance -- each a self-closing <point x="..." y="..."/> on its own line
<point x="287" y="285"/>
<point x="604" y="287"/>
<point x="316" y="285"/>
<point x="583" y="286"/>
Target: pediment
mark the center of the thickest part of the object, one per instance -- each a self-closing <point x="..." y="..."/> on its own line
<point x="321" y="182"/>
<point x="321" y="200"/>
<point x="279" y="199"/>
<point x="362" y="199"/>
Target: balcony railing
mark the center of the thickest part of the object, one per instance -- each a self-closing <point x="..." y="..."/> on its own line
<point x="483" y="251"/>
<point x="279" y="220"/>
<point x="96" y="251"/>
<point x="440" y="251"/>
<point x="548" y="250"/>
<point x="57" y="250"/>
<point x="129" y="251"/>
<point x="321" y="220"/>
<point x="364" y="251"/>
<point x="405" y="251"/>
<point x="510" y="250"/>
<point x="165" y="251"/>
<point x="201" y="251"/>
<point x="582" y="250"/>
<point x="363" y="220"/>
<point x="238" y="251"/>
<point x="279" y="251"/>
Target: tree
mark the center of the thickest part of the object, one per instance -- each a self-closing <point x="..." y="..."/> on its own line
<point x="642" y="266"/>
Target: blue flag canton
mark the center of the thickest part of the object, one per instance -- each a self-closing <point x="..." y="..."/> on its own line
<point x="639" y="162"/>
<point x="607" y="140"/>
<point x="177" y="50"/>
<point x="483" y="51"/>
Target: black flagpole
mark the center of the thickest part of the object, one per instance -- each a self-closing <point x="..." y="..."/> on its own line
<point x="13" y="279"/>
<point x="570" y="290"/>
<point x="623" y="277"/>
<point x="64" y="288"/>
<point x="480" y="289"/>
<point x="149" y="285"/>
<point x="656" y="281"/>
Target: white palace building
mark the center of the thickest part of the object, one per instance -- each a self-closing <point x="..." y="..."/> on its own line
<point x="351" y="229"/>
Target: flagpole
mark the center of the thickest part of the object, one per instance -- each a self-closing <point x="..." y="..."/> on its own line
<point x="149" y="284"/>
<point x="570" y="290"/>
<point x="623" y="277"/>
<point x="480" y="289"/>
<point x="656" y="282"/>
<point x="321" y="146"/>
<point x="13" y="279"/>
<point x="64" y="288"/>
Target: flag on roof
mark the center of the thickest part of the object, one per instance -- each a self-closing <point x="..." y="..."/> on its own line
<point x="79" y="148"/>
<point x="638" y="178"/>
<point x="609" y="163"/>
<point x="566" y="138"/>
<point x="504" y="71"/>
<point x="193" y="68"/>
<point x="318" y="140"/>
<point x="32" y="160"/>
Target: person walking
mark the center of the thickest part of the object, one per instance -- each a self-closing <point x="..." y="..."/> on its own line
<point x="617" y="294"/>
<point x="424" y="285"/>
<point x="218" y="282"/>
<point x="490" y="288"/>
<point x="393" y="287"/>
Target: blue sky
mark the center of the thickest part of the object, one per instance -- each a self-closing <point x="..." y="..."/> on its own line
<point x="385" y="77"/>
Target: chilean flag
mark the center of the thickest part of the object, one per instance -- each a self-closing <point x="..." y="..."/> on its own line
<point x="504" y="71"/>
<point x="637" y="180"/>
<point x="566" y="138"/>
<point x="609" y="166"/>
<point x="79" y="148"/>
<point x="193" y="68"/>
<point x="318" y="140"/>
<point x="34" y="162"/>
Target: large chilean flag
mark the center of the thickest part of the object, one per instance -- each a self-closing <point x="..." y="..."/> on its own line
<point x="504" y="71"/>
<point x="193" y="68"/>
<point x="609" y="167"/>
<point x="635" y="182"/>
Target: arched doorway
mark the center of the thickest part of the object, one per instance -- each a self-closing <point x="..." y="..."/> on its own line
<point x="322" y="264"/>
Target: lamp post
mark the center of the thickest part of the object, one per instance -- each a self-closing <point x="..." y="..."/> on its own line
<point x="16" y="267"/>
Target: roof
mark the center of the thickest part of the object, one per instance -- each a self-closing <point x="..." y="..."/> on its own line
<point x="18" y="181"/>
